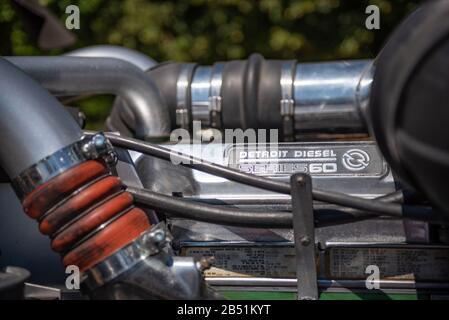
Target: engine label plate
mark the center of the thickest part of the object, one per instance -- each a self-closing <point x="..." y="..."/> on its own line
<point x="317" y="159"/>
<point x="235" y="261"/>
<point x="394" y="263"/>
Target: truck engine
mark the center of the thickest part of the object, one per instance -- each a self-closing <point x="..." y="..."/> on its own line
<point x="243" y="179"/>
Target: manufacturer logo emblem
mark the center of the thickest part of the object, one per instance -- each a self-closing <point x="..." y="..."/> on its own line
<point x="355" y="160"/>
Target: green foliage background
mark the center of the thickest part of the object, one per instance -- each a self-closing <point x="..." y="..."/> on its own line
<point x="206" y="31"/>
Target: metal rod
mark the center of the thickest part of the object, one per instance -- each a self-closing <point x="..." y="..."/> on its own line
<point x="304" y="235"/>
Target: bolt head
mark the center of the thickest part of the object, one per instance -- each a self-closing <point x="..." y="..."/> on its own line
<point x="159" y="235"/>
<point x="99" y="140"/>
<point x="300" y="179"/>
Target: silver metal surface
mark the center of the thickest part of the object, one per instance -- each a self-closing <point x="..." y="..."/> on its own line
<point x="188" y="233"/>
<point x="183" y="97"/>
<point x="94" y="147"/>
<point x="287" y="102"/>
<point x="372" y="181"/>
<point x="215" y="98"/>
<point x="35" y="291"/>
<point x="326" y="94"/>
<point x="364" y="90"/>
<point x="215" y="86"/>
<point x="39" y="292"/>
<point x="47" y="169"/>
<point x="160" y="276"/>
<point x="287" y="75"/>
<point x="322" y="283"/>
<point x="314" y="96"/>
<point x="140" y="60"/>
<point x="33" y="123"/>
<point x="206" y="95"/>
<point x="147" y="244"/>
<point x="81" y="75"/>
<point x="375" y="180"/>
<point x="200" y="93"/>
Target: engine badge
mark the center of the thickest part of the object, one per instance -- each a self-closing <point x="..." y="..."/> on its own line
<point x="317" y="159"/>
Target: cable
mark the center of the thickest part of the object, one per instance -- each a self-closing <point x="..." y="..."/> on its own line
<point x="390" y="209"/>
<point x="327" y="217"/>
<point x="210" y="213"/>
<point x="244" y="218"/>
<point x="198" y="164"/>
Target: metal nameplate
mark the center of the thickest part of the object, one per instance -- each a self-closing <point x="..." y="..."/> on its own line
<point x="317" y="159"/>
<point x="245" y="261"/>
<point x="424" y="263"/>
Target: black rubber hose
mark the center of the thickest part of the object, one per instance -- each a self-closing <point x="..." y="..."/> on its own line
<point x="345" y="215"/>
<point x="245" y="218"/>
<point x="344" y="200"/>
<point x="210" y="213"/>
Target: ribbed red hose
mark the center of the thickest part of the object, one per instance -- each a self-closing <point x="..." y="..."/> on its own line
<point x="71" y="207"/>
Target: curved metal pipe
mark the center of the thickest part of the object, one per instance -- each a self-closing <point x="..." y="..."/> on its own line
<point x="140" y="60"/>
<point x="33" y="124"/>
<point x="76" y="75"/>
<point x="260" y="93"/>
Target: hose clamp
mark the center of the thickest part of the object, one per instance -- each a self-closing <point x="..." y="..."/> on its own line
<point x="147" y="244"/>
<point x="92" y="147"/>
<point x="287" y="103"/>
<point x="183" y="97"/>
<point x="215" y="98"/>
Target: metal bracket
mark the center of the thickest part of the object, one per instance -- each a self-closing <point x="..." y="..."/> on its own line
<point x="304" y="235"/>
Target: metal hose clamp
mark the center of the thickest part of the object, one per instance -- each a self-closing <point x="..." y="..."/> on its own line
<point x="183" y="96"/>
<point x="287" y="103"/>
<point x="88" y="148"/>
<point x="215" y="99"/>
<point x="149" y="243"/>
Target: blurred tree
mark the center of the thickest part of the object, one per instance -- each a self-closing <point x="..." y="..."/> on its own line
<point x="205" y="31"/>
